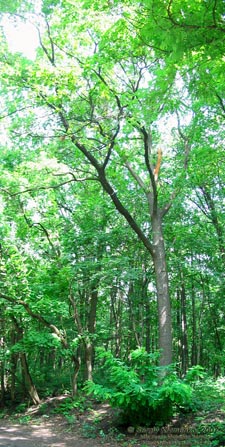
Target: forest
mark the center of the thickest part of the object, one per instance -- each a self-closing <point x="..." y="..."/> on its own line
<point x="112" y="223"/>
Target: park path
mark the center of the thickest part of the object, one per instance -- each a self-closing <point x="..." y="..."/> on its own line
<point x="43" y="435"/>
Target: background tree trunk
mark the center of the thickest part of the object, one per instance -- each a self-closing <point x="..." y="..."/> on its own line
<point x="184" y="339"/>
<point x="2" y="372"/>
<point x="28" y="380"/>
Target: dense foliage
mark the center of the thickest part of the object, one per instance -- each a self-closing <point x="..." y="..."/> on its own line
<point x="111" y="195"/>
<point x="146" y="394"/>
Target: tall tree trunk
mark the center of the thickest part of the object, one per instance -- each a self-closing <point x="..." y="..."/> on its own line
<point x="162" y="286"/>
<point x="156" y="249"/>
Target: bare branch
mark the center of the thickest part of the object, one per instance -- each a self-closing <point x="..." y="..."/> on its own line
<point x="107" y="158"/>
<point x="167" y="207"/>
<point x="51" y="57"/>
<point x="51" y="42"/>
<point x="41" y="188"/>
<point x="221" y="101"/>
<point x="15" y="111"/>
<point x="135" y="176"/>
<point x="185" y="139"/>
<point x="76" y="314"/>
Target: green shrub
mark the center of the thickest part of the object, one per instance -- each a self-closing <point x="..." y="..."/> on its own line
<point x="208" y="394"/>
<point x="21" y="408"/>
<point x="195" y="374"/>
<point x="146" y="394"/>
<point x="68" y="405"/>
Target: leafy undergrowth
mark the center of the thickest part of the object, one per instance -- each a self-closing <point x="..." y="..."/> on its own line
<point x="201" y="424"/>
<point x="145" y="393"/>
<point x="88" y="419"/>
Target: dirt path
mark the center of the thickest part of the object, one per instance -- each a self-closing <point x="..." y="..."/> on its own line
<point x="52" y="434"/>
<point x="43" y="435"/>
<point x="94" y="428"/>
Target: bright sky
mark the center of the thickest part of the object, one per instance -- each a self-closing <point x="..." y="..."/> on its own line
<point x="21" y="38"/>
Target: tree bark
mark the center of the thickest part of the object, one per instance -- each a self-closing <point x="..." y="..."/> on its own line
<point x="213" y="215"/>
<point x="14" y="360"/>
<point x="76" y="368"/>
<point x="132" y="316"/>
<point x="88" y="344"/>
<point x="148" y="327"/>
<point x="30" y="387"/>
<point x="2" y="373"/>
<point x="194" y="351"/>
<point x="184" y="339"/>
<point x="89" y="358"/>
<point x="162" y="286"/>
<point x="28" y="380"/>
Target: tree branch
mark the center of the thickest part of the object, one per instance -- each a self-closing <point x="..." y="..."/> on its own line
<point x="76" y="315"/>
<point x="147" y="146"/>
<point x="187" y="147"/>
<point x="135" y="176"/>
<point x="39" y="188"/>
<point x="38" y="317"/>
<point x="124" y="211"/>
<point x="192" y="26"/>
<point x="51" y="57"/>
<point x="168" y="205"/>
<point x="221" y="102"/>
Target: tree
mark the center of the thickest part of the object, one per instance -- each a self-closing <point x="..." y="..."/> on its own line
<point x="97" y="120"/>
<point x="93" y="111"/>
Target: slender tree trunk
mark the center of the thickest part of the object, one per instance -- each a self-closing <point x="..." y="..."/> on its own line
<point x="200" y="356"/>
<point x="182" y="328"/>
<point x="2" y="373"/>
<point x="162" y="286"/>
<point x="26" y="377"/>
<point x="214" y="323"/>
<point x="132" y="319"/>
<point x="28" y="380"/>
<point x="118" y="309"/>
<point x="14" y="360"/>
<point x="89" y="358"/>
<point x="178" y="327"/>
<point x="89" y="343"/>
<point x="194" y="354"/>
<point x="76" y="368"/>
<point x="215" y="220"/>
<point x="147" y="325"/>
<point x="184" y="339"/>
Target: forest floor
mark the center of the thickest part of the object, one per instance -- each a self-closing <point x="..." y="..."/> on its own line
<point x="96" y="427"/>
